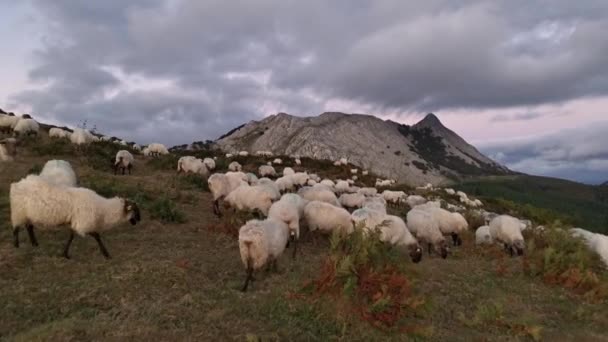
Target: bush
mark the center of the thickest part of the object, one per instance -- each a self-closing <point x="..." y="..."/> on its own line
<point x="50" y="147"/>
<point x="165" y="210"/>
<point x="194" y="181"/>
<point x="164" y="163"/>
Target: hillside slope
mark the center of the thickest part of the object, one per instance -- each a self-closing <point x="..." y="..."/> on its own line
<point x="424" y="153"/>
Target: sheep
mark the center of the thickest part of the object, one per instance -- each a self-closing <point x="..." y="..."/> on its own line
<point x="382" y="183"/>
<point x="252" y="179"/>
<point x="452" y="224"/>
<point x="374" y="205"/>
<point x="354" y="171"/>
<point x="157" y="149"/>
<point x="56" y="132"/>
<point x="364" y="173"/>
<point x="251" y="198"/>
<point x="267" y="171"/>
<point x="450" y="191"/>
<point x="426" y="229"/>
<point x="414" y="200"/>
<point x="229" y="155"/>
<point x="595" y="241"/>
<point x="190" y="164"/>
<point x="327" y="218"/>
<point x="394" y="231"/>
<point x="124" y="160"/>
<point x="343" y="161"/>
<point x="328" y="182"/>
<point x="367" y="218"/>
<point x="261" y="243"/>
<point x="59" y="172"/>
<point x="351" y="181"/>
<point x="26" y="126"/>
<point x="483" y="236"/>
<point x="7" y="122"/>
<point x="352" y="200"/>
<point x="8" y="149"/>
<point x="145" y="151"/>
<point x="285" y="183"/>
<point x="337" y="163"/>
<point x="289" y="209"/>
<point x="221" y="185"/>
<point x="299" y="179"/>
<point x="368" y="192"/>
<point x="506" y="229"/>
<point x="314" y="177"/>
<point x="288" y="171"/>
<point x="277" y="161"/>
<point x="354" y="178"/>
<point x="81" y="136"/>
<point x="210" y="163"/>
<point x="243" y="153"/>
<point x="341" y="186"/>
<point x="298" y="161"/>
<point x="319" y="194"/>
<point x="270" y="187"/>
<point x="136" y="147"/>
<point x="394" y="197"/>
<point x="235" y="167"/>
<point x="36" y="203"/>
<point x="311" y="182"/>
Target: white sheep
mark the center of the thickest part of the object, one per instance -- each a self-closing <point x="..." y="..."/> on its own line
<point x="343" y="161"/>
<point x="414" y="200"/>
<point x="243" y="153"/>
<point x="261" y="243"/>
<point x="382" y="183"/>
<point x="368" y="192"/>
<point x="298" y="161"/>
<point x="136" y="147"/>
<point x="157" y="149"/>
<point x="8" y="122"/>
<point x="327" y="218"/>
<point x="354" y="171"/>
<point x="124" y="161"/>
<point x="595" y="241"/>
<point x="311" y="182"/>
<point x="337" y="163"/>
<point x="271" y="188"/>
<point x="328" y="182"/>
<point x="289" y="209"/>
<point x="8" y="149"/>
<point x="36" y="203"/>
<point x="56" y="132"/>
<point x="210" y="163"/>
<point x="250" y="198"/>
<point x="452" y="224"/>
<point x="320" y="194"/>
<point x="252" y="179"/>
<point x="191" y="164"/>
<point x="483" y="236"/>
<point x="59" y="172"/>
<point x="221" y="185"/>
<point x="277" y="161"/>
<point x="26" y="126"/>
<point x="364" y="173"/>
<point x="506" y="229"/>
<point x="300" y="178"/>
<point x="288" y="171"/>
<point x="351" y="181"/>
<point x="267" y="171"/>
<point x="285" y="183"/>
<point x="375" y="205"/>
<point x="450" y="191"/>
<point x="367" y="218"/>
<point x="235" y="167"/>
<point x="426" y="229"/>
<point x="229" y="155"/>
<point x="352" y="200"/>
<point x="394" y="197"/>
<point x="81" y="136"/>
<point x="341" y="186"/>
<point x="394" y="231"/>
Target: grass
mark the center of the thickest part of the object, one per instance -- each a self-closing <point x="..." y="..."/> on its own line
<point x="181" y="281"/>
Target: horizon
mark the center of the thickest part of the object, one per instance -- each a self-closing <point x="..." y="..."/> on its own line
<point x="524" y="84"/>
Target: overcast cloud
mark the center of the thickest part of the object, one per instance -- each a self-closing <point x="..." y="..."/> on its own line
<point x="176" y="71"/>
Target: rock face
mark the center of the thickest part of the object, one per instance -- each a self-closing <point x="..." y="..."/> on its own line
<point x="424" y="153"/>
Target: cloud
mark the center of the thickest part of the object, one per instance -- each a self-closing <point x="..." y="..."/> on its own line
<point x="516" y="117"/>
<point x="580" y="154"/>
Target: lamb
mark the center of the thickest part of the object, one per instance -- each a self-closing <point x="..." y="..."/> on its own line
<point x="26" y="126"/>
<point x="319" y="194"/>
<point x="210" y="163"/>
<point x="414" y="200"/>
<point x="190" y="164"/>
<point x="8" y="149"/>
<point x="483" y="236"/>
<point x="394" y="231"/>
<point x="327" y="218"/>
<point x="288" y="171"/>
<point x="426" y="229"/>
<point x="221" y="185"/>
<point x="235" y="167"/>
<point x="56" y="132"/>
<point x="277" y="161"/>
<point x="157" y="149"/>
<point x="452" y="224"/>
<point x="394" y="197"/>
<point x="261" y="243"/>
<point x="352" y="200"/>
<point x="368" y="192"/>
<point x="124" y="161"/>
<point x="36" y="203"/>
<point x="59" y="172"/>
<point x="250" y="198"/>
<point x="81" y="136"/>
<point x="506" y="229"/>
<point x="267" y="171"/>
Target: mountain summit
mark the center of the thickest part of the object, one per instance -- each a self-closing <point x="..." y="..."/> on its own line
<point x="427" y="152"/>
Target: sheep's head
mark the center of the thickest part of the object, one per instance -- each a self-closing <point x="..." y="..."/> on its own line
<point x="132" y="212"/>
<point x="415" y="252"/>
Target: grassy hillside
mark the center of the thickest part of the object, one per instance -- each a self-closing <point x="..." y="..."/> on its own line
<point x="177" y="275"/>
<point x="579" y="204"/>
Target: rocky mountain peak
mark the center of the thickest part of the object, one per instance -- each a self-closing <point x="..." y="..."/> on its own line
<point x="430" y="121"/>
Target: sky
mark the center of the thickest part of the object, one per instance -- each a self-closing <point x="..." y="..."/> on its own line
<point x="525" y="81"/>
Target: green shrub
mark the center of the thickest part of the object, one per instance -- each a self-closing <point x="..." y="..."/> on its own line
<point x="194" y="181"/>
<point x="164" y="163"/>
<point x="50" y="147"/>
<point x="165" y="210"/>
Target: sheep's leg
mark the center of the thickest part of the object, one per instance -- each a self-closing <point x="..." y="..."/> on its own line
<point x="130" y="169"/>
<point x="66" y="250"/>
<point x="16" y="237"/>
<point x="429" y="248"/>
<point x="455" y="239"/>
<point x="102" y="248"/>
<point x="30" y="233"/>
<point x="216" y="208"/>
<point x="249" y="276"/>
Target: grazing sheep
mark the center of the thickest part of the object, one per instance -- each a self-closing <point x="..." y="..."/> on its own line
<point x="350" y="181"/>
<point x="243" y="153"/>
<point x="285" y="183"/>
<point x="261" y="243"/>
<point x="277" y="161"/>
<point x="375" y="205"/>
<point x="156" y="149"/>
<point x="26" y="126"/>
<point x="320" y="194"/>
<point x="252" y="179"/>
<point x="506" y="229"/>
<point x="124" y="161"/>
<point x="289" y="209"/>
<point x="81" y="136"/>
<point x="190" y="164"/>
<point x="299" y="179"/>
<point x="341" y="186"/>
<point x="426" y="228"/>
<point x="288" y="171"/>
<point x="8" y="149"/>
<point x="270" y="187"/>
<point x="328" y="182"/>
<point x="56" y="132"/>
<point x="221" y="185"/>
<point x="394" y="231"/>
<point x="483" y="236"/>
<point x="382" y="183"/>
<point x="394" y="197"/>
<point x="367" y="218"/>
<point x="267" y="171"/>
<point x="368" y="192"/>
<point x="210" y="163"/>
<point x="452" y="224"/>
<point x="450" y="191"/>
<point x="250" y="198"/>
<point x="414" y="200"/>
<point x="327" y="218"/>
<point x="145" y="151"/>
<point x="352" y="200"/>
<point x="235" y="167"/>
<point x="59" y="172"/>
<point x="595" y="241"/>
<point x="36" y="203"/>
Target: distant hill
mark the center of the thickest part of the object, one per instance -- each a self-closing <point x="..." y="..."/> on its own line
<point x="427" y="152"/>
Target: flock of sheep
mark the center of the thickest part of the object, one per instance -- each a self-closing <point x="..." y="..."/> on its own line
<point x="286" y="199"/>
